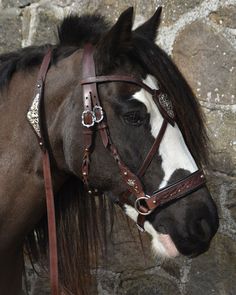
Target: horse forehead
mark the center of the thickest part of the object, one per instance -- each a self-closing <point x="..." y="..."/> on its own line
<point x="146" y="98"/>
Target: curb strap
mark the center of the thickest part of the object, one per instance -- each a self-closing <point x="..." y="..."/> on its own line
<point x="34" y="116"/>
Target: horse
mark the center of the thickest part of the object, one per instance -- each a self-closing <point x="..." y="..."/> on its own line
<point x="132" y="116"/>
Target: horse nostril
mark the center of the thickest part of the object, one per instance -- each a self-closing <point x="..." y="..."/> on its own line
<point x="201" y="230"/>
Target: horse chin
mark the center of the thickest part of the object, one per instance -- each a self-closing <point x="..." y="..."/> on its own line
<point x="162" y="244"/>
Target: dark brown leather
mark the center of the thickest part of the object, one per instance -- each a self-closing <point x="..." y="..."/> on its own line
<point x="53" y="257"/>
<point x="116" y="78"/>
<point x="153" y="150"/>
<point x="175" y="191"/>
<point x="129" y="79"/>
<point x="144" y="204"/>
<point x="39" y="91"/>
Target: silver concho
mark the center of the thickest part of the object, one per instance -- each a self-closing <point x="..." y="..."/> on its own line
<point x="33" y="115"/>
<point x="131" y="182"/>
<point x="167" y="105"/>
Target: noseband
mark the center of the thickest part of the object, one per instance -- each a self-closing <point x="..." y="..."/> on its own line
<point x="94" y="114"/>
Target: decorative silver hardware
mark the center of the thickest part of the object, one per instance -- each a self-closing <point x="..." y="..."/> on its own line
<point x="154" y="202"/>
<point x="93" y="118"/>
<point x="33" y="115"/>
<point x="167" y="105"/>
<point x="137" y="205"/>
<point x="125" y="173"/>
<point x="100" y="110"/>
<point x="131" y="182"/>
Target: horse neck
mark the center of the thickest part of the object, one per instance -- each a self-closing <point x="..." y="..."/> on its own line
<point x="62" y="104"/>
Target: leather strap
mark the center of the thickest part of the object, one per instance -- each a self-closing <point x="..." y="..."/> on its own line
<point x="116" y="78"/>
<point x="175" y="191"/>
<point x="34" y="116"/>
<point x="90" y="89"/>
<point x="53" y="257"/>
<point x="157" y="94"/>
<point x="153" y="150"/>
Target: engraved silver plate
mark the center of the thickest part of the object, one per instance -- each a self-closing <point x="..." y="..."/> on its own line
<point x="33" y="115"/>
<point x="166" y="104"/>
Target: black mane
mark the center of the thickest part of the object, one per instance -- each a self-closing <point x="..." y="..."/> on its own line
<point x="73" y="33"/>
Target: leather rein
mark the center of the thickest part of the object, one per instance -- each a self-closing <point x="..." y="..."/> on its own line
<point x="93" y="114"/>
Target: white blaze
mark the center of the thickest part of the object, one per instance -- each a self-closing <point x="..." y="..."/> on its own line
<point x="173" y="150"/>
<point x="175" y="155"/>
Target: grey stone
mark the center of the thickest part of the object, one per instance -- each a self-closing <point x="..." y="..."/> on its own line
<point x="208" y="61"/>
<point x="10" y="28"/>
<point x="148" y="285"/>
<point x="16" y="3"/>
<point x="174" y="9"/>
<point x="224" y="16"/>
<point x="214" y="272"/>
<point x="220" y="124"/>
<point x="46" y="26"/>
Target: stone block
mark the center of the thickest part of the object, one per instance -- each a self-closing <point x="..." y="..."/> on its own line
<point x="214" y="273"/>
<point x="208" y="62"/>
<point x="17" y="3"/>
<point x="11" y="32"/>
<point x="221" y="129"/>
<point x="174" y="9"/>
<point x="148" y="285"/>
<point x="224" y="16"/>
<point x="40" y="24"/>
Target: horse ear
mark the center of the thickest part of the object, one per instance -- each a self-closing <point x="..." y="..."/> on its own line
<point x="116" y="41"/>
<point x="149" y="28"/>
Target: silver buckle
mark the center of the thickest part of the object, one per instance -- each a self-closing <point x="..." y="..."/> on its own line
<point x="95" y="109"/>
<point x="137" y="205"/>
<point x="93" y="118"/>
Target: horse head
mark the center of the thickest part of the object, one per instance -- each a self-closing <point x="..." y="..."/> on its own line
<point x="134" y="119"/>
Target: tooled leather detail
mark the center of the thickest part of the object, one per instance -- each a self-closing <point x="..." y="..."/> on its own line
<point x="177" y="190"/>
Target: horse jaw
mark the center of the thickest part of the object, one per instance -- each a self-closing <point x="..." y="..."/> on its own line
<point x="173" y="150"/>
<point x="162" y="244"/>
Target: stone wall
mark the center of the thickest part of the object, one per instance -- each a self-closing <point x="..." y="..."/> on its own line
<point x="200" y="36"/>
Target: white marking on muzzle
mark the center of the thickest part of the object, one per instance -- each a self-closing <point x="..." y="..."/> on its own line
<point x="162" y="244"/>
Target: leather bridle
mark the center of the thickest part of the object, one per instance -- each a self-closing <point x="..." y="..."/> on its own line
<point x="94" y="114"/>
<point x="94" y="120"/>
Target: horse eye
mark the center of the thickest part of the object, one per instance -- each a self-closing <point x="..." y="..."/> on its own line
<point x="133" y="118"/>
